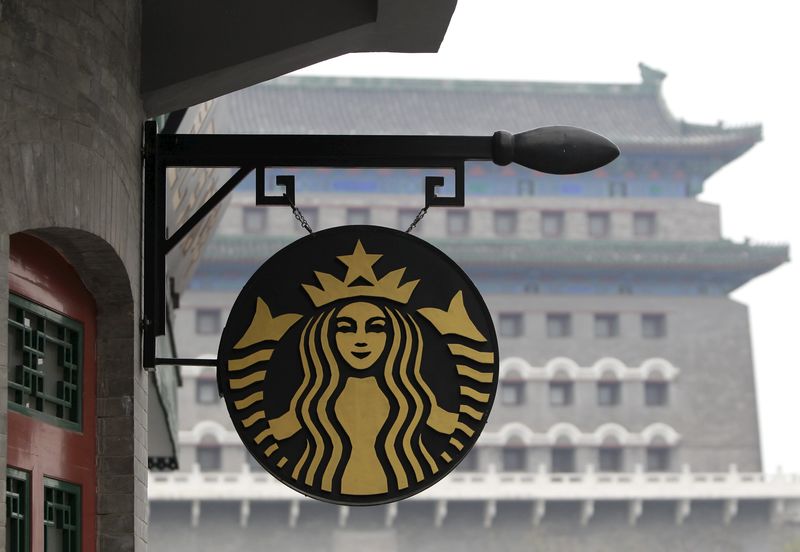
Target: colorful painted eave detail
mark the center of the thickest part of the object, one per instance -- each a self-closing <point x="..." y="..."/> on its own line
<point x="721" y="255"/>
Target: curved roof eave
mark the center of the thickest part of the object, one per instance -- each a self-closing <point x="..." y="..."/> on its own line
<point x="632" y="115"/>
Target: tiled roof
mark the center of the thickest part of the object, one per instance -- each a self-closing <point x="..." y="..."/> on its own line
<point x="187" y="190"/>
<point x="716" y="256"/>
<point x="628" y="114"/>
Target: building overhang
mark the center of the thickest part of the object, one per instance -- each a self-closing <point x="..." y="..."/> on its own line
<point x="194" y="51"/>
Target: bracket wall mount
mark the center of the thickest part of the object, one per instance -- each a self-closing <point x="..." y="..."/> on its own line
<point x="553" y="150"/>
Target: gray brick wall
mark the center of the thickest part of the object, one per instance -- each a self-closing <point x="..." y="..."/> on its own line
<point x="707" y="339"/>
<point x="3" y="374"/>
<point x="70" y="173"/>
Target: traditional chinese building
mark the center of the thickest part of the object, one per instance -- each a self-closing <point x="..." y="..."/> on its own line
<point x="626" y="412"/>
<point x="80" y="418"/>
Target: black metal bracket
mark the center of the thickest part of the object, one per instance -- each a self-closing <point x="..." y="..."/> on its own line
<point x="432" y="199"/>
<point x="557" y="150"/>
<point x="284" y="180"/>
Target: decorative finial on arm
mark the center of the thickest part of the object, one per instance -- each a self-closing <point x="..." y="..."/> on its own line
<point x="554" y="149"/>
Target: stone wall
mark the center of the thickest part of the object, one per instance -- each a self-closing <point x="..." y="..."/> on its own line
<point x="712" y="402"/>
<point x="318" y="527"/>
<point x="70" y="134"/>
<point x="707" y="340"/>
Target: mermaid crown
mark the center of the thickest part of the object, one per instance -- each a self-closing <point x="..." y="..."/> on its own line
<point x="359" y="267"/>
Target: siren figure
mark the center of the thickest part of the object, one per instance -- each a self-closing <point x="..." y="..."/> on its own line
<point x="363" y="356"/>
<point x="363" y="404"/>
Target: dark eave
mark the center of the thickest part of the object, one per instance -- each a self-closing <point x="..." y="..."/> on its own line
<point x="717" y="257"/>
<point x="198" y="50"/>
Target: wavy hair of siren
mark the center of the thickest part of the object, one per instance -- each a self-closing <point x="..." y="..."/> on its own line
<point x="411" y="399"/>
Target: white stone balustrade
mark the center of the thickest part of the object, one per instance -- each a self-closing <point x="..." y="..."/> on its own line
<point x="781" y="490"/>
<point x="541" y="485"/>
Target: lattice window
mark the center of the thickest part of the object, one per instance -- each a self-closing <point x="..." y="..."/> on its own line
<point x="45" y="363"/>
<point x="62" y="516"/>
<point x="17" y="510"/>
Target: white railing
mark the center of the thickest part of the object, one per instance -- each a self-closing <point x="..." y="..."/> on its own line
<point x="491" y="485"/>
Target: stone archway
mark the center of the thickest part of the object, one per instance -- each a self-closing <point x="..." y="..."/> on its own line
<point x="121" y="385"/>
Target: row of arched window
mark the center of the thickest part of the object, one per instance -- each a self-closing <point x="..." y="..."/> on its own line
<point x="609" y="393"/>
<point x="566" y="369"/>
<point x="516" y="441"/>
<point x="609" y="457"/>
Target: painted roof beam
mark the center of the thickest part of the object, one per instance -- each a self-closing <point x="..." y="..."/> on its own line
<point x="195" y="50"/>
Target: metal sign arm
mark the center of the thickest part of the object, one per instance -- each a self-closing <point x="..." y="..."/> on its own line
<point x="206" y="208"/>
<point x="554" y="150"/>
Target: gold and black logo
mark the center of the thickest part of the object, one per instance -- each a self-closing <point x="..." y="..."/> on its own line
<point x="359" y="365"/>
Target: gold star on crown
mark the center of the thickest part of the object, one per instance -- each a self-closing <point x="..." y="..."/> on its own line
<point x="359" y="266"/>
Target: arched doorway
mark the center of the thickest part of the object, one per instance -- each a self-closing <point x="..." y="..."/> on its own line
<point x="51" y="478"/>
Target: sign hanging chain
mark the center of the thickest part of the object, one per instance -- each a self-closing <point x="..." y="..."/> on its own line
<point x="304" y="223"/>
<point x="298" y="215"/>
<point x="417" y="219"/>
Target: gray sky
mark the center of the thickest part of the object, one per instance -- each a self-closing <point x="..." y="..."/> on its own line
<point x="733" y="61"/>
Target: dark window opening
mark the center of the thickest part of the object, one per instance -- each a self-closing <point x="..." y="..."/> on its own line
<point x="209" y="457"/>
<point x="505" y="223"/>
<point x="45" y="359"/>
<point x="617" y="188"/>
<point x="561" y="393"/>
<point x="563" y="460"/>
<point x="457" y="223"/>
<point x="206" y="391"/>
<point x="609" y="459"/>
<point x="559" y="325"/>
<point x="62" y="515"/>
<point x="207" y="321"/>
<point x="656" y="393"/>
<point x="552" y="224"/>
<point x="644" y="225"/>
<point x="511" y="324"/>
<point x="18" y="514"/>
<point x="606" y="325"/>
<point x="608" y="393"/>
<point x="599" y="225"/>
<point x="512" y="392"/>
<point x="654" y="326"/>
<point x="358" y="216"/>
<point x="658" y="459"/>
<point x="514" y="459"/>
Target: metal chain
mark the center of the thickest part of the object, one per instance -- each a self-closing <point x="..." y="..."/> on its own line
<point x="304" y="223"/>
<point x="417" y="219"/>
<point x="298" y="215"/>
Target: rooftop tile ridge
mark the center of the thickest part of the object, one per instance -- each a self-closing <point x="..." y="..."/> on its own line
<point x="751" y="131"/>
<point x="456" y="85"/>
<point x="653" y="80"/>
<point x="722" y="242"/>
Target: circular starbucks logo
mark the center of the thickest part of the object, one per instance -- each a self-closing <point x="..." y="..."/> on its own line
<point x="359" y="365"/>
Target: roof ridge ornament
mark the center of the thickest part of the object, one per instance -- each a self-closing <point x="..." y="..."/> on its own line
<point x="651" y="77"/>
